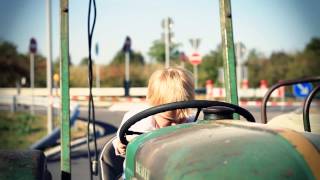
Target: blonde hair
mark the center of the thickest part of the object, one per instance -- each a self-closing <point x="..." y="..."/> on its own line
<point x="171" y="85"/>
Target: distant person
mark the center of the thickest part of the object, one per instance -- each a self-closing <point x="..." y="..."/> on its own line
<point x="165" y="86"/>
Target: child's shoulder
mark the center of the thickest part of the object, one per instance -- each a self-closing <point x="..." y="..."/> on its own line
<point x="137" y="109"/>
<point x="144" y="125"/>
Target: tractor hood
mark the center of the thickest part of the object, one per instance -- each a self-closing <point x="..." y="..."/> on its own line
<point x="222" y="150"/>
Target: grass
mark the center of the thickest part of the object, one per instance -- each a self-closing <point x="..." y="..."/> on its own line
<point x="20" y="130"/>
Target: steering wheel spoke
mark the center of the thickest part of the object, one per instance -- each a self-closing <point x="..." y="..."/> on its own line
<point x="133" y="133"/>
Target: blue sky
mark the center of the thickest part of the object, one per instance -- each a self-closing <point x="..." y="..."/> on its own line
<point x="267" y="25"/>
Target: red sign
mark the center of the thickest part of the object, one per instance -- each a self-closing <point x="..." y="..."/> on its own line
<point x="195" y="58"/>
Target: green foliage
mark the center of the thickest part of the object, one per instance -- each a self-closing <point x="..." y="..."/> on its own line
<point x="20" y="130"/>
<point x="135" y="58"/>
<point x="40" y="71"/>
<point x="279" y="66"/>
<point x="85" y="61"/>
<point x="25" y="124"/>
<point x="22" y="125"/>
<point x="14" y="66"/>
<point x="208" y="69"/>
<point x="313" y="46"/>
<point x="255" y="64"/>
<point x="157" y="52"/>
<point x="282" y="66"/>
<point x="79" y="76"/>
<point x="113" y="75"/>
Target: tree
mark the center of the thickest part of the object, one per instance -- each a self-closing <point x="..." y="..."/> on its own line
<point x="135" y="58"/>
<point x="313" y="46"/>
<point x="277" y="67"/>
<point x="84" y="61"/>
<point x="157" y="52"/>
<point x="255" y="64"/>
<point x="13" y="65"/>
<point x="306" y="63"/>
<point x="209" y="68"/>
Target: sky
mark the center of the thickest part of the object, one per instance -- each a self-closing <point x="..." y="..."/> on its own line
<point x="266" y="25"/>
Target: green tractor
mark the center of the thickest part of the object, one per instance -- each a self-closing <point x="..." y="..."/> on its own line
<point x="215" y="147"/>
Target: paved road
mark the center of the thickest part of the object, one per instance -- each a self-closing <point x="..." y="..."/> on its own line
<point x="112" y="117"/>
<point x="80" y="163"/>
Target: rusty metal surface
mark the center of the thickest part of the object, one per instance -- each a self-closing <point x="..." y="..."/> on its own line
<point x="223" y="150"/>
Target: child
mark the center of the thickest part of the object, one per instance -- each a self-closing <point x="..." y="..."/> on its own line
<point x="165" y="86"/>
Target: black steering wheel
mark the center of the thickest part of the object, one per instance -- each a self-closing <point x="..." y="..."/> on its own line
<point x="199" y="104"/>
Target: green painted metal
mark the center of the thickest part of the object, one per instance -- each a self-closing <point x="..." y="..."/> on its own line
<point x="211" y="150"/>
<point x="65" y="97"/>
<point x="229" y="59"/>
<point x="137" y="142"/>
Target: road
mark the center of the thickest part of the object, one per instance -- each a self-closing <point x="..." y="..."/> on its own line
<point x="112" y="117"/>
<point x="79" y="155"/>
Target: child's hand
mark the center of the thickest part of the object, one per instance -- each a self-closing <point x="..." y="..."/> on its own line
<point x="120" y="148"/>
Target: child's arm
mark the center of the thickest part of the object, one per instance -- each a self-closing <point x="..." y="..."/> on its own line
<point x="120" y="149"/>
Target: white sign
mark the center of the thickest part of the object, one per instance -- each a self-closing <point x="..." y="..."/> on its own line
<point x="195" y="58"/>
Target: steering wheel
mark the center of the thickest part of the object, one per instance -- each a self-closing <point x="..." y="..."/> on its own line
<point x="199" y="104"/>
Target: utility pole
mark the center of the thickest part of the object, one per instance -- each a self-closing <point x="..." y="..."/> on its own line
<point x="127" y="50"/>
<point x="33" y="51"/>
<point x="167" y="24"/>
<point x="195" y="59"/>
<point x="32" y="81"/>
<point x="240" y="51"/>
<point x="49" y="70"/>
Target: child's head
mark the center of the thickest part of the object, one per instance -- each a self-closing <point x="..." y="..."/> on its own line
<point x="171" y="85"/>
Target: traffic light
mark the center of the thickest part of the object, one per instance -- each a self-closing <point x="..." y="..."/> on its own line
<point x="127" y="45"/>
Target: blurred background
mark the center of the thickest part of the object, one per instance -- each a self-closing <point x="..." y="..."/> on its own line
<point x="278" y="39"/>
<point x="274" y="41"/>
